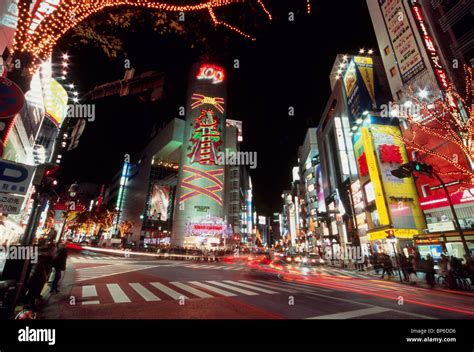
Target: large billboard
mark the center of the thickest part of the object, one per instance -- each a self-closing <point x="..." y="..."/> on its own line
<point x="200" y="191"/>
<point x="159" y="202"/>
<point x="56" y="102"/>
<point x="404" y="45"/>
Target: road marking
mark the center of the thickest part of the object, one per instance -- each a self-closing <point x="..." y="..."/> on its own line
<point x="89" y="291"/>
<point x="307" y="287"/>
<point x="353" y="313"/>
<point x="213" y="289"/>
<point x="192" y="290"/>
<point x="228" y="268"/>
<point x="240" y="290"/>
<point x="88" y="273"/>
<point x="296" y="287"/>
<point x="117" y="294"/>
<point x="237" y="268"/>
<point x="170" y="292"/>
<point x="251" y="287"/>
<point x="85" y="303"/>
<point x="273" y="287"/>
<point x="144" y="292"/>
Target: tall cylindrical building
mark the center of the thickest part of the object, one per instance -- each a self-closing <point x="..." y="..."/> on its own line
<point x="199" y="210"/>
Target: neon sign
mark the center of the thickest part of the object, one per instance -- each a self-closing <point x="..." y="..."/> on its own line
<point x="202" y="99"/>
<point x="430" y="48"/>
<point x="212" y="73"/>
<point x="211" y="191"/>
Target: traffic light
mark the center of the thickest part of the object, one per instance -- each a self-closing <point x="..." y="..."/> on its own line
<point x="406" y="170"/>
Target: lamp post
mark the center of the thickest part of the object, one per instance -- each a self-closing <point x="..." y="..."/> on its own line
<point x="72" y="192"/>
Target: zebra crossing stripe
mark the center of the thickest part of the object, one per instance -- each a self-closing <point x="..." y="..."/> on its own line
<point x="232" y="288"/>
<point x="192" y="290"/>
<point x="117" y="294"/>
<point x="228" y="268"/>
<point x="85" y="303"/>
<point x="306" y="287"/>
<point x="213" y="289"/>
<point x="273" y="287"/>
<point x="251" y="287"/>
<point x="170" y="292"/>
<point x="144" y="292"/>
<point x="89" y="291"/>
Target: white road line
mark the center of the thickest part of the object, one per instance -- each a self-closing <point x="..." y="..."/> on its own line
<point x="251" y="287"/>
<point x="273" y="287"/>
<point x="213" y="289"/>
<point x="170" y="292"/>
<point x="192" y="290"/>
<point x="237" y="268"/>
<point x="228" y="268"/>
<point x="90" y="302"/>
<point x="144" y="292"/>
<point x="353" y="313"/>
<point x="89" y="291"/>
<point x="117" y="294"/>
<point x="297" y="288"/>
<point x="232" y="288"/>
<point x="307" y="287"/>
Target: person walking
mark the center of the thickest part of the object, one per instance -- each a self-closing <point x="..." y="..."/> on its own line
<point x="387" y="266"/>
<point x="59" y="265"/>
<point x="430" y="271"/>
<point x="403" y="261"/>
<point x="38" y="277"/>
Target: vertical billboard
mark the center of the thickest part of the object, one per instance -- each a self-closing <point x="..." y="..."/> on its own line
<point x="402" y="38"/>
<point x="201" y="180"/>
<point x="159" y="202"/>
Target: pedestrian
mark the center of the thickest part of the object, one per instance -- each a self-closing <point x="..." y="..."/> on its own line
<point x="403" y="262"/>
<point x="38" y="277"/>
<point x="430" y="271"/>
<point x="387" y="266"/>
<point x="59" y="265"/>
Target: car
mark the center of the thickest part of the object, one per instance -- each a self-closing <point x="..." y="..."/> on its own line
<point x="313" y="259"/>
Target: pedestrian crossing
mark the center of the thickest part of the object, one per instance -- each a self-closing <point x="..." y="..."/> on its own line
<point x="134" y="292"/>
<point x="96" y="272"/>
<point x="321" y="270"/>
<point x="89" y="258"/>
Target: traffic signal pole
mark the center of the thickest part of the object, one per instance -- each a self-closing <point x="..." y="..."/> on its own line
<point x="456" y="220"/>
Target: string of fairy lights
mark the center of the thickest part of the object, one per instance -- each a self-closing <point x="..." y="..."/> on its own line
<point x="39" y="43"/>
<point x="69" y="86"/>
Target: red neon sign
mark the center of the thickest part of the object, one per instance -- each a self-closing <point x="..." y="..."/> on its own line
<point x="212" y="73"/>
<point x="429" y="46"/>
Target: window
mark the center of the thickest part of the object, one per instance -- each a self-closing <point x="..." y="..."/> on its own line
<point x="386" y="50"/>
<point x="393" y="71"/>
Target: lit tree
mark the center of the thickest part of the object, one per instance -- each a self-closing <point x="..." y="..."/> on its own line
<point x="447" y="121"/>
<point x="125" y="226"/>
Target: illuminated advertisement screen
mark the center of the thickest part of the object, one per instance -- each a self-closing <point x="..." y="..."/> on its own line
<point x="320" y="190"/>
<point x="159" y="203"/>
<point x="56" y="102"/>
<point x="402" y="38"/>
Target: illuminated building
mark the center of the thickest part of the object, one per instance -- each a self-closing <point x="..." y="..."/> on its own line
<point x="199" y="216"/>
<point x="422" y="56"/>
<point x="151" y="179"/>
<point x="309" y="159"/>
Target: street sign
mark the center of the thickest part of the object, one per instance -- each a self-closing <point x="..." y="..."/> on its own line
<point x="10" y="204"/>
<point x="12" y="98"/>
<point x="15" y="177"/>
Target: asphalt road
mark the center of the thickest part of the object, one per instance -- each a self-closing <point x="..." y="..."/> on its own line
<point x="98" y="286"/>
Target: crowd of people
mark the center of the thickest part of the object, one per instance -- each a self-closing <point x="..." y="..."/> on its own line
<point x="450" y="267"/>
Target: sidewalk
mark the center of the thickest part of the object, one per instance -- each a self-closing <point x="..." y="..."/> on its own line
<point x="418" y="282"/>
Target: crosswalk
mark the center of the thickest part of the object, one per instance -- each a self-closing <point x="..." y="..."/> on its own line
<point x="133" y="292"/>
<point x="89" y="258"/>
<point x="96" y="272"/>
<point x="320" y="270"/>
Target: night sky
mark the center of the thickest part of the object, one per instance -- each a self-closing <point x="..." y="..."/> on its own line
<point x="288" y="65"/>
